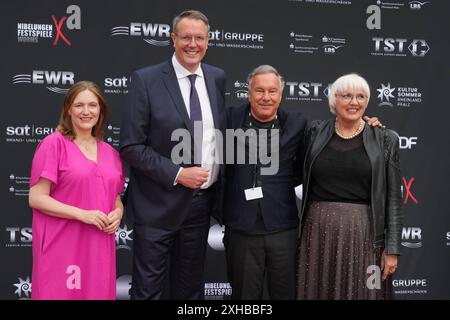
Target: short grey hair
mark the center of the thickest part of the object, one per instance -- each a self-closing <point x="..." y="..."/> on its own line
<point x="264" y="69"/>
<point x="351" y="81"/>
<point x="189" y="14"/>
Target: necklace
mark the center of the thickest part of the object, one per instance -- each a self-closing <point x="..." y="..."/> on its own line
<point x="357" y="131"/>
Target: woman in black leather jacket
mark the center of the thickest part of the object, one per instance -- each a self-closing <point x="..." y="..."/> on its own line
<point x="351" y="218"/>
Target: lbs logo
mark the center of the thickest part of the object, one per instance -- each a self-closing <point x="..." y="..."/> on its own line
<point x="241" y="90"/>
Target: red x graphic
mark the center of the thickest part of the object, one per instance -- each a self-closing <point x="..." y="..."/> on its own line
<point x="408" y="190"/>
<point x="58" y="26"/>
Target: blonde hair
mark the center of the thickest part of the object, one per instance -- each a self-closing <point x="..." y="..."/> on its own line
<point x="351" y="81"/>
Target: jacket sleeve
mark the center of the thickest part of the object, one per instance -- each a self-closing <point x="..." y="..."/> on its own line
<point x="134" y="148"/>
<point x="300" y="153"/>
<point x="394" y="214"/>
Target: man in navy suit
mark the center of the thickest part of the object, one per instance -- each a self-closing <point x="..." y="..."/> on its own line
<point x="260" y="215"/>
<point x="171" y="202"/>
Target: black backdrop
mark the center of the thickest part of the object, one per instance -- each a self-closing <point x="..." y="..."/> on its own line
<point x="400" y="47"/>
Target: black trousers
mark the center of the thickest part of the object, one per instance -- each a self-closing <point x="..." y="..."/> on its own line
<point x="179" y="254"/>
<point x="252" y="258"/>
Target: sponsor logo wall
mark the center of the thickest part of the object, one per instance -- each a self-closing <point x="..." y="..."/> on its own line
<point x="49" y="46"/>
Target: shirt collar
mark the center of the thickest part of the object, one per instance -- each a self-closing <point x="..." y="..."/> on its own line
<point x="182" y="72"/>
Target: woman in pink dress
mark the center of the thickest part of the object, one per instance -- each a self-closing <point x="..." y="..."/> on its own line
<point x="75" y="186"/>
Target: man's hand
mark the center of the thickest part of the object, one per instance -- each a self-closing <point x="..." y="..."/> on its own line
<point x="374" y="122"/>
<point x="193" y="177"/>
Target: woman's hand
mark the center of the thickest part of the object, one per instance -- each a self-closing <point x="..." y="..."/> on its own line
<point x="114" y="219"/>
<point x="388" y="264"/>
<point x="94" y="217"/>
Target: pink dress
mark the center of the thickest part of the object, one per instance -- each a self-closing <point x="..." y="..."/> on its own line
<point x="71" y="259"/>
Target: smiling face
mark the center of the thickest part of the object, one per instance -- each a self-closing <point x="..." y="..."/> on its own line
<point x="264" y="96"/>
<point x="190" y="41"/>
<point x="84" y="111"/>
<point x="350" y="105"/>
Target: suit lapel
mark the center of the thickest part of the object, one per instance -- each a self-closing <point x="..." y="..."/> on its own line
<point x="282" y="117"/>
<point x="211" y="88"/>
<point x="171" y="83"/>
<point x="239" y="116"/>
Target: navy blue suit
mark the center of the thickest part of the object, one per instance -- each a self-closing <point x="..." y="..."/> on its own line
<point x="278" y="206"/>
<point x="160" y="209"/>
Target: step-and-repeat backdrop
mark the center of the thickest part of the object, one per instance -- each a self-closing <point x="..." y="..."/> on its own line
<point x="401" y="48"/>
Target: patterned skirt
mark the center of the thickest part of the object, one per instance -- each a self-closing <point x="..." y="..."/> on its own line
<point x="337" y="260"/>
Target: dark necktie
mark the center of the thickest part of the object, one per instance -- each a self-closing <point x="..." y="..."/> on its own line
<point x="196" y="116"/>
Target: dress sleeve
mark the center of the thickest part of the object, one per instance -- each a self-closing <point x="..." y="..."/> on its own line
<point x="122" y="177"/>
<point x="45" y="161"/>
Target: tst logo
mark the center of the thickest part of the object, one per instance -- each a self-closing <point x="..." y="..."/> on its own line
<point x="389" y="44"/>
<point x="303" y="91"/>
<point x="398" y="46"/>
<point x="50" y="78"/>
<point x="157" y="34"/>
<point x="19" y="237"/>
<point x="412" y="237"/>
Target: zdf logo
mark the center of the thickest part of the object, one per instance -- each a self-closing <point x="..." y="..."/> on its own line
<point x="407" y="142"/>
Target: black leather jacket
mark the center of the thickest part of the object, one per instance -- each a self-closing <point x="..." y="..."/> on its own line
<point x="382" y="147"/>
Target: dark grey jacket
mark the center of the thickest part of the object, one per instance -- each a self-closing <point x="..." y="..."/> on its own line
<point x="382" y="147"/>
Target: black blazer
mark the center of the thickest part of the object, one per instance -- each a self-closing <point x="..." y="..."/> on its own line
<point x="278" y="204"/>
<point x="154" y="109"/>
<point x="382" y="147"/>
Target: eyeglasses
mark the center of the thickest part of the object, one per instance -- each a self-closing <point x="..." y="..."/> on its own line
<point x="187" y="39"/>
<point x="347" y="97"/>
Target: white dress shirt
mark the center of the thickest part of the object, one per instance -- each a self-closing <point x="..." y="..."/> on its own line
<point x="209" y="160"/>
